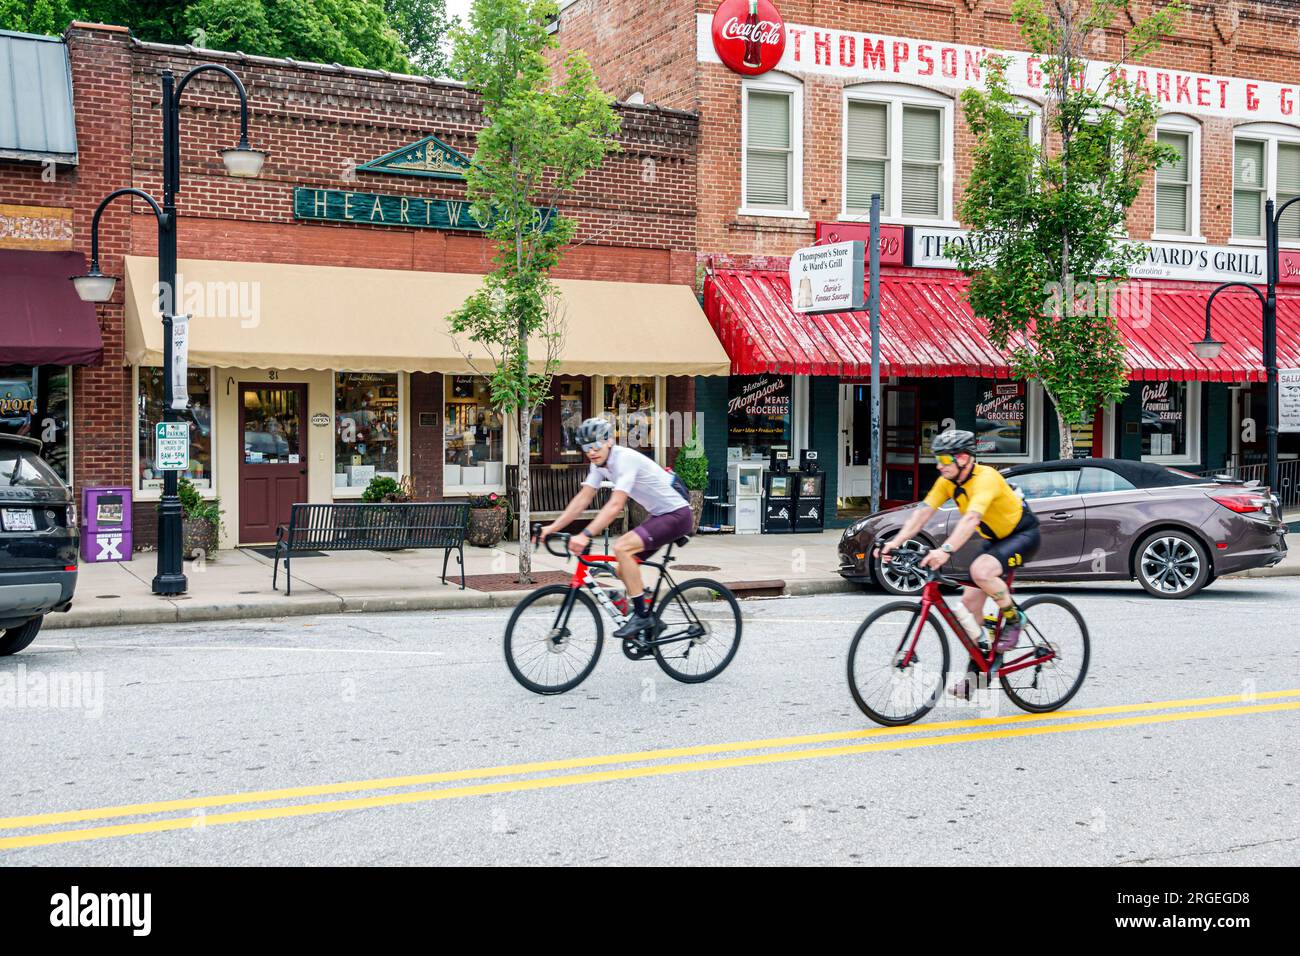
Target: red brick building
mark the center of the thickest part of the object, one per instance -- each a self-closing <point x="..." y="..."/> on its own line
<point x="863" y="97"/>
<point x="319" y="356"/>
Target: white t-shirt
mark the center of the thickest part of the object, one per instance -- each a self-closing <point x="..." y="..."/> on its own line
<point x="641" y="477"/>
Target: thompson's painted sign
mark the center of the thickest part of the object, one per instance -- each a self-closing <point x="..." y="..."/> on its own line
<point x="827" y="278"/>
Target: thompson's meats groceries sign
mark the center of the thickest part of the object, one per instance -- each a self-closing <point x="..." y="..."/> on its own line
<point x="827" y="278"/>
<point x="956" y="66"/>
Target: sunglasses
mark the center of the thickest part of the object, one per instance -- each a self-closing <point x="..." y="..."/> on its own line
<point x="945" y="459"/>
<point x="593" y="446"/>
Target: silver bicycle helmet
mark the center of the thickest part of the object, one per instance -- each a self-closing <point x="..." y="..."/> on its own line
<point x="594" y="430"/>
<point x="953" y="441"/>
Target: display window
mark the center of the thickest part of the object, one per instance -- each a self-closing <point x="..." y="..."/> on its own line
<point x="473" y="436"/>
<point x="36" y="401"/>
<point x="367" y="428"/>
<point x="149" y="412"/>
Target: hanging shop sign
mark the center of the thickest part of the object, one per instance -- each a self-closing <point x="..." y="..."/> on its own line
<point x="932" y="248"/>
<point x="428" y="157"/>
<point x="863" y="57"/>
<point x="748" y="36"/>
<point x="408" y="212"/>
<point x="828" y="278"/>
<point x="892" y="238"/>
<point x="180" y="362"/>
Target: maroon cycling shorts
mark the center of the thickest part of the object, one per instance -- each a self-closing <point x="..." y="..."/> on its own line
<point x="659" y="530"/>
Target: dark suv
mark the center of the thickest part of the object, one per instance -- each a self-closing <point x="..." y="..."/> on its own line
<point x="38" y="542"/>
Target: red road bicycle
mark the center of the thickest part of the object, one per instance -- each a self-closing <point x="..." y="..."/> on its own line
<point x="898" y="666"/>
<point x="554" y="636"/>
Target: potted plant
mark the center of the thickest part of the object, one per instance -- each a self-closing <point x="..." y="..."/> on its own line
<point x="200" y="521"/>
<point x="693" y="467"/>
<point x="488" y="517"/>
<point x="383" y="489"/>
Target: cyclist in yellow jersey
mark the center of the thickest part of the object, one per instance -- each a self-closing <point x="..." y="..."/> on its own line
<point x="990" y="507"/>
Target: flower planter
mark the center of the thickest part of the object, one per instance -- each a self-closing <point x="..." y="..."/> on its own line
<point x="486" y="526"/>
<point x="198" y="537"/>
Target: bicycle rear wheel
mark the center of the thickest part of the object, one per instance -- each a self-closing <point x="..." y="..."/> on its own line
<point x="1052" y="627"/>
<point x="897" y="665"/>
<point x="551" y="646"/>
<point x="706" y="617"/>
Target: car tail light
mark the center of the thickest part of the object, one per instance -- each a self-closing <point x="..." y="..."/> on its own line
<point x="1242" y="503"/>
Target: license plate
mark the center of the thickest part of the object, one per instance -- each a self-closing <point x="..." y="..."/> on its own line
<point x="18" y="519"/>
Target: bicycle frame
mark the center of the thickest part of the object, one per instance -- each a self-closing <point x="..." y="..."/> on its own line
<point x="931" y="598"/>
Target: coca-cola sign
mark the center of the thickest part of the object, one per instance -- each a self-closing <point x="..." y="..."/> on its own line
<point x="748" y="35"/>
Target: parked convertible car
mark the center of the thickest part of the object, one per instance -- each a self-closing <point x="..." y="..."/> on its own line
<point x="38" y="542"/>
<point x="1105" y="519"/>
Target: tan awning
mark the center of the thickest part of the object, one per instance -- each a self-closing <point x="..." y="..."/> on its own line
<point x="257" y="315"/>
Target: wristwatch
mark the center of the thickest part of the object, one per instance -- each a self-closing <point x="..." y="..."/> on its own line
<point x="946" y="548"/>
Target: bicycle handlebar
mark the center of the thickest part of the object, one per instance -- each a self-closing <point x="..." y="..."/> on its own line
<point x="563" y="536"/>
<point x="910" y="562"/>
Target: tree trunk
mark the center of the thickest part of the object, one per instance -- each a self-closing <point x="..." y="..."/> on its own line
<point x="1067" y="440"/>
<point x="525" y="538"/>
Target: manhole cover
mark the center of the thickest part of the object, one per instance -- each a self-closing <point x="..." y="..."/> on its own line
<point x="105" y="596"/>
<point x="695" y="567"/>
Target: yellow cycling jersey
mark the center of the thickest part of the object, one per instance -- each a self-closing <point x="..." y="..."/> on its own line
<point x="987" y="493"/>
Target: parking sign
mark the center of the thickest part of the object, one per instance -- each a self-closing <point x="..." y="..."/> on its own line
<point x="172" y="446"/>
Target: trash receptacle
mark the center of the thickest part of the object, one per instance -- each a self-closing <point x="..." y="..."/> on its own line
<point x="106" y="524"/>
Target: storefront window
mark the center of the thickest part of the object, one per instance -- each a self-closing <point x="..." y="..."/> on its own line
<point x="34" y="401"/>
<point x="1000" y="418"/>
<point x="367" y="423"/>
<point x="1164" y="419"/>
<point x="149" y="412"/>
<point x="758" y="414"/>
<point x="473" y="438"/>
<point x="553" y="435"/>
<point x="630" y="407"/>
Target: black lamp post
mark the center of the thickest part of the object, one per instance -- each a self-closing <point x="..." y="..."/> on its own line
<point x="242" y="161"/>
<point x="1208" y="348"/>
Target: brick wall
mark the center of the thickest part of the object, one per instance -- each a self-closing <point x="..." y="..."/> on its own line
<point x="1255" y="40"/>
<point x="426" y="440"/>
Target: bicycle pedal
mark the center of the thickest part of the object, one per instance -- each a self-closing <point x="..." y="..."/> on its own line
<point x="636" y="650"/>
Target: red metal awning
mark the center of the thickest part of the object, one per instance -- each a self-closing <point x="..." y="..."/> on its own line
<point x="42" y="319"/>
<point x="927" y="329"/>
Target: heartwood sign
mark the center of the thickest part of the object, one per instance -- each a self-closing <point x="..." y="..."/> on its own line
<point x="955" y="66"/>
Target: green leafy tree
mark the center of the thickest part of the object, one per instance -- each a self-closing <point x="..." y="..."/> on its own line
<point x="1047" y="253"/>
<point x="45" y="17"/>
<point x="540" y="136"/>
<point x="424" y="28"/>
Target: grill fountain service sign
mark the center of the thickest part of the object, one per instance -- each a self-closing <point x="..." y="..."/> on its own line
<point x="828" y="278"/>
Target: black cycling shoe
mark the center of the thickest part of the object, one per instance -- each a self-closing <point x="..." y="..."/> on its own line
<point x="634" y="625"/>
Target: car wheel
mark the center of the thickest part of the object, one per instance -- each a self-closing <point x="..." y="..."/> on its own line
<point x="1171" y="564"/>
<point x="14" y="639"/>
<point x="904" y="583"/>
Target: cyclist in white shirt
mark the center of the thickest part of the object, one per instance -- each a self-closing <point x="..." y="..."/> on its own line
<point x="634" y="476"/>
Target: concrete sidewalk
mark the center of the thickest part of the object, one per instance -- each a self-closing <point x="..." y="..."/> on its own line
<point x="237" y="583"/>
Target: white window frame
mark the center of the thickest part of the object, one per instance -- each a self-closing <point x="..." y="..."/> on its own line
<point x="1034" y="111"/>
<point x="1033" y="425"/>
<point x="403" y="425"/>
<point x="895" y="96"/>
<point x="1186" y="126"/>
<point x="774" y="83"/>
<point x="1193" y="422"/>
<point x="155" y="494"/>
<point x="1270" y="134"/>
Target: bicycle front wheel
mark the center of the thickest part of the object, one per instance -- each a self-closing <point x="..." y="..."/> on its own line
<point x="897" y="665"/>
<point x="552" y="645"/>
<point x="697" y="630"/>
<point x="1055" y="633"/>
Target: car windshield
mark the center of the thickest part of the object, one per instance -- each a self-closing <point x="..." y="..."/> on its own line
<point x="20" y="467"/>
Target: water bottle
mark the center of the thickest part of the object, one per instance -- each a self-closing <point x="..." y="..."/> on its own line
<point x="990" y="631"/>
<point x="617" y="593"/>
<point x="968" y="622"/>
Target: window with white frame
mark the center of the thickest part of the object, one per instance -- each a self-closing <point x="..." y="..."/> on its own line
<point x="1265" y="164"/>
<point x="197" y="414"/>
<point x="1178" y="181"/>
<point x="897" y="142"/>
<point x="1031" y="118"/>
<point x="1171" y="421"/>
<point x="772" y="170"/>
<point x="367" y="429"/>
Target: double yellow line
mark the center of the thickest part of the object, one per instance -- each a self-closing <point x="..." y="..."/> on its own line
<point x="650" y="763"/>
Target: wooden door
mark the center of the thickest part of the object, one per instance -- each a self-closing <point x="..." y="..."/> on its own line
<point x="273" y="466"/>
<point x="901" y="438"/>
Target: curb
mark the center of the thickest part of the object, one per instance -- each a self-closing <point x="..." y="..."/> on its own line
<point x="174" y="612"/>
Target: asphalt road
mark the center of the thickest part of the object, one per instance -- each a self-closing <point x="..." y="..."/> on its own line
<point x="406" y="734"/>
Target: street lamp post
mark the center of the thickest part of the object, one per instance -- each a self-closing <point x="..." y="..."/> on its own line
<point x="1209" y="348"/>
<point x="241" y="161"/>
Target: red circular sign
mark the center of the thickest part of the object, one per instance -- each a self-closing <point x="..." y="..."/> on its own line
<point x="749" y="35"/>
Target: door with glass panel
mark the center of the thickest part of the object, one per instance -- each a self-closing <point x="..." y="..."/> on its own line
<point x="901" y="438"/>
<point x="273" y="463"/>
<point x="553" y="438"/>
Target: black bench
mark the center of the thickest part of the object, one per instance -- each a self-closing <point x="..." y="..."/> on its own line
<point x="551" y="488"/>
<point x="373" y="527"/>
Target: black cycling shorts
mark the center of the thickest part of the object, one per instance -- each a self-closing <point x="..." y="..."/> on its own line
<point x="1016" y="548"/>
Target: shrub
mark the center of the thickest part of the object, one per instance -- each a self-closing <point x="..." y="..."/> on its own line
<point x="692" y="464"/>
<point x="195" y="507"/>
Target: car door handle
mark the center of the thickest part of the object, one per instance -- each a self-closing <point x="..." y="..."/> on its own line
<point x="1062" y="515"/>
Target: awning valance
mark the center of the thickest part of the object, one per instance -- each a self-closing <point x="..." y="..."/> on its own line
<point x="42" y="319"/>
<point x="927" y="329"/>
<point x="257" y="315"/>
